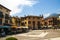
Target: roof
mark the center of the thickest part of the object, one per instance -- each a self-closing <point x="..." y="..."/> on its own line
<point x="31" y="16"/>
<point x="5" y="7"/>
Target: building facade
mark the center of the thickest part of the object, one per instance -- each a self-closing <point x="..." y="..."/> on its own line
<point x="4" y="15"/>
<point x="51" y="22"/>
<point x="32" y="22"/>
<point x="15" y="22"/>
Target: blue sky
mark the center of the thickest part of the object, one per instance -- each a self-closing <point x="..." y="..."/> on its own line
<point x="42" y="7"/>
<point x="39" y="7"/>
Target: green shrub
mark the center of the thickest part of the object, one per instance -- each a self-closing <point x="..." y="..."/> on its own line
<point x="11" y="38"/>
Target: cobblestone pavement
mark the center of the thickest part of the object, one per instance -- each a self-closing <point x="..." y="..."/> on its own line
<point x="37" y="35"/>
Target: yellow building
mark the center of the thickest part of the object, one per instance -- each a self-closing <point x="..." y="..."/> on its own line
<point x="58" y="21"/>
<point x="32" y="22"/>
<point x="15" y="22"/>
<point x="4" y="15"/>
<point x="53" y="21"/>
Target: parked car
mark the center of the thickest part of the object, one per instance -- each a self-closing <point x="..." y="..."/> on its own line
<point x="19" y="30"/>
<point x="2" y="33"/>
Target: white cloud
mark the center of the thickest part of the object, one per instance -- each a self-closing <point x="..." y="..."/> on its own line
<point x="13" y="4"/>
<point x="46" y="15"/>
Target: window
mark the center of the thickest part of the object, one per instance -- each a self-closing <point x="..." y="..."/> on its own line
<point x="25" y="18"/>
<point x="29" y="17"/>
<point x="6" y="16"/>
<point x="22" y="24"/>
<point x="0" y="7"/>
<point x="11" y="21"/>
<point x="50" y="21"/>
<point x="50" y="24"/>
<point x="6" y="10"/>
<point x="6" y="21"/>
<point x="25" y="22"/>
<point x="33" y="22"/>
<point x="38" y="22"/>
<point x="18" y="23"/>
<point x="1" y="14"/>
<point x="42" y="20"/>
<point x="33" y="17"/>
<point x="34" y="25"/>
<point x="38" y="17"/>
<point x="29" y="22"/>
<point x="45" y="23"/>
<point x="0" y="21"/>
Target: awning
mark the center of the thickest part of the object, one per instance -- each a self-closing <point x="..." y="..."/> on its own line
<point x="5" y="27"/>
<point x="22" y="27"/>
<point x="13" y="26"/>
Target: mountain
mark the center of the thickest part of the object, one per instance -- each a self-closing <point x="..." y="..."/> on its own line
<point x="54" y="15"/>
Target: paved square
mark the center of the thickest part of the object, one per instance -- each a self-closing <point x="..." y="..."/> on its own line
<point x="37" y="35"/>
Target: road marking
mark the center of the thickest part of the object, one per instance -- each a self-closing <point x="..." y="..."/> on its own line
<point x="43" y="34"/>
